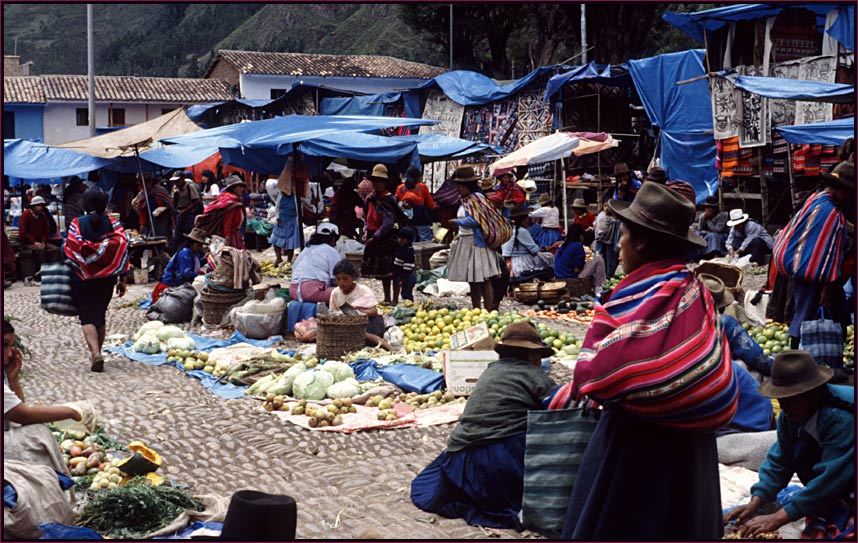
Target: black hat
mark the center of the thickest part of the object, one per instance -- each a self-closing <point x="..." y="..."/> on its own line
<point x="257" y="516"/>
<point x="843" y="176"/>
<point x="711" y="201"/>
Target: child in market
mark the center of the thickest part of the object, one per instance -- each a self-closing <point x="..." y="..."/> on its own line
<point x="350" y="298"/>
<point x="404" y="276"/>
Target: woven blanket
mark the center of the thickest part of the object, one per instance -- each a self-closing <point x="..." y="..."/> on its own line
<point x="496" y="230"/>
<point x="106" y="257"/>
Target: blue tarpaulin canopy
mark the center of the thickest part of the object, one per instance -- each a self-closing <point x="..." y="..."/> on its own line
<point x="684" y="114"/>
<point x="363" y="147"/>
<point x="614" y="76"/>
<point x="693" y="24"/>
<point x="373" y="104"/>
<point x="474" y="89"/>
<point x="824" y="133"/>
<point x="29" y="160"/>
<point x="792" y="89"/>
<point x="436" y="147"/>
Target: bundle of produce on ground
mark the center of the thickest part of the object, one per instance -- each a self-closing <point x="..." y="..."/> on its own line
<point x="578" y="311"/>
<point x="612" y="283"/>
<point x="849" y="347"/>
<point x="155" y="337"/>
<point x="269" y="269"/>
<point x="190" y="360"/>
<point x="773" y="337"/>
<point x="236" y="364"/>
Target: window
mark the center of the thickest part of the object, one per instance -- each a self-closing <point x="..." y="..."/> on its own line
<point x="82" y="115"/>
<point x="8" y="125"/>
<point x="117" y="116"/>
<point x="164" y="111"/>
<point x="277" y="93"/>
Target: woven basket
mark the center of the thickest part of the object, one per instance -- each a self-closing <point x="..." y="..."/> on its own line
<point x="530" y="293"/>
<point x="217" y="303"/>
<point x="579" y="287"/>
<point x="355" y="259"/>
<point x="340" y="334"/>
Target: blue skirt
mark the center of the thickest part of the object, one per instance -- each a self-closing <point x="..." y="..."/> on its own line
<point x="287" y="233"/>
<point x="544" y="237"/>
<point x="482" y="485"/>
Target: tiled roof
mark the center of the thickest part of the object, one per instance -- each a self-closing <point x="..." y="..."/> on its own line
<point x="298" y="64"/>
<point x="74" y="88"/>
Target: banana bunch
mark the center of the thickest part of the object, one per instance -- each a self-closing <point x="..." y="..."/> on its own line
<point x="270" y="270"/>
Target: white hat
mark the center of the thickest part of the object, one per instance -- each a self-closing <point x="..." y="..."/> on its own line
<point x="737" y="216"/>
<point x="37" y="200"/>
<point x="327" y="229"/>
<point x="176" y="176"/>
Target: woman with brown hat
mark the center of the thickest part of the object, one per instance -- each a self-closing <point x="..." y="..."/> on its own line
<point x="472" y="260"/>
<point x="654" y="358"/>
<point x="583" y="217"/>
<point x="816" y="441"/>
<point x="225" y="215"/>
<point x="383" y="218"/>
<point x="479" y="477"/>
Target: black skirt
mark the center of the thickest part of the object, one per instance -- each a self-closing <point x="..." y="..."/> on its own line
<point x="377" y="259"/>
<point x="639" y="481"/>
<point x="91" y="298"/>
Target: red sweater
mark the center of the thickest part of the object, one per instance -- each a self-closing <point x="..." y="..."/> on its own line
<point x="33" y="230"/>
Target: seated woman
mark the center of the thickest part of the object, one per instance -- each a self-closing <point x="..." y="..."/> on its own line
<point x="479" y="477"/>
<point x="313" y="271"/>
<point x="184" y="266"/>
<point x="547" y="232"/>
<point x="816" y="441"/>
<point x="351" y="298"/>
<point x="526" y="262"/>
<point x="569" y="262"/>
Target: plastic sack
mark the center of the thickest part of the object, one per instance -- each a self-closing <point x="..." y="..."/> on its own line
<point x="394" y="336"/>
<point x="347" y="245"/>
<point x="52" y="530"/>
<point x="756" y="313"/>
<point x="439" y="259"/>
<point x="259" y="320"/>
<point x="40" y="499"/>
<point x="412" y="378"/>
<point x="429" y="277"/>
<point x="444" y="287"/>
<point x="306" y="331"/>
<point x="216" y="243"/>
<point x="175" y="304"/>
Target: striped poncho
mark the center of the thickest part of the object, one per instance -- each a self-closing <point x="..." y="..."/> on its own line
<point x="811" y="246"/>
<point x="656" y="348"/>
<point x="103" y="257"/>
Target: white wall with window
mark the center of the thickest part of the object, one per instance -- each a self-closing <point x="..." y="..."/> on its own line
<point x="69" y="121"/>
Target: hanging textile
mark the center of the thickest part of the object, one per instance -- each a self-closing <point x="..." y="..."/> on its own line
<point x="822" y="69"/>
<point x="795" y="35"/>
<point x="725" y="108"/>
<point x="754" y="130"/>
<point x="534" y="117"/>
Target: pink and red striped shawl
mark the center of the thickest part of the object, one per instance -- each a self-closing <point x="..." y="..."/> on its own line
<point x="93" y="260"/>
<point x="656" y="348"/>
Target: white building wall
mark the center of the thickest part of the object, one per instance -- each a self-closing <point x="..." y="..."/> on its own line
<point x="60" y="121"/>
<point x="258" y="87"/>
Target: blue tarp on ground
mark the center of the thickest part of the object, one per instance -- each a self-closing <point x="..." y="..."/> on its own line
<point x="29" y="160"/>
<point x="473" y="89"/>
<point x="408" y="377"/>
<point x="825" y="133"/>
<point x="693" y="24"/>
<point x="793" y="89"/>
<point x="684" y="114"/>
<point x="614" y="76"/>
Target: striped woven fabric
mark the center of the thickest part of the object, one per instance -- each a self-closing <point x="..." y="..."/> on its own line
<point x="55" y="292"/>
<point x="811" y="246"/>
<point x="657" y="349"/>
<point x="104" y="258"/>
<point x="496" y="229"/>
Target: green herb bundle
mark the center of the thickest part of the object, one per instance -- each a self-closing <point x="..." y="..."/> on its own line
<point x="135" y="509"/>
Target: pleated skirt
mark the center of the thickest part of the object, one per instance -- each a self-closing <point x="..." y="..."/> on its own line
<point x="471" y="264"/>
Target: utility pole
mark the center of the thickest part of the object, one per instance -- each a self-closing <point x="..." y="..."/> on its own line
<point x="90" y="70"/>
<point x="451" y="36"/>
<point x="583" y="34"/>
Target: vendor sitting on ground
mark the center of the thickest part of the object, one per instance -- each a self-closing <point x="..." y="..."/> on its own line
<point x="712" y="226"/>
<point x="479" y="477"/>
<point x="525" y="260"/>
<point x="313" y="272"/>
<point x="547" y="232"/>
<point x="816" y="441"/>
<point x="748" y="238"/>
<point x="569" y="263"/>
<point x="351" y="298"/>
<point x="34" y="231"/>
<point x="185" y="265"/>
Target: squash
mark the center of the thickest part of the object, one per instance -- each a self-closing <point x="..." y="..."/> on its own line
<point x="143" y="461"/>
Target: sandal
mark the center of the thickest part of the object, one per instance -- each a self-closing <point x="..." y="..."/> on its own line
<point x="97" y="364"/>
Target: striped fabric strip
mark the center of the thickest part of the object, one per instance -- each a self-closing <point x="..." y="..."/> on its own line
<point x="811" y="247"/>
<point x="657" y="348"/>
<point x="92" y="260"/>
<point x="496" y="229"/>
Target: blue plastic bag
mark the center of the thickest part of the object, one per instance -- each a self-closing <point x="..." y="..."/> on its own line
<point x="52" y="530"/>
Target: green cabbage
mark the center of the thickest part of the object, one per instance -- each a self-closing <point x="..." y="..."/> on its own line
<point x="181" y="344"/>
<point x="340" y="371"/>
<point x="167" y="332"/>
<point x="283" y="386"/>
<point x="312" y="385"/>
<point x="344" y="389"/>
<point x="148" y="327"/>
<point x="148" y="343"/>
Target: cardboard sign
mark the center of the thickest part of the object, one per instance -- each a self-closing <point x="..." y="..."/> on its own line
<point x="475" y="338"/>
<point x="462" y="369"/>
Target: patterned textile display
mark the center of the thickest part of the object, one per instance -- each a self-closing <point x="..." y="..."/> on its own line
<point x="534" y="117"/>
<point x="795" y="35"/>
<point x="811" y="246"/>
<point x="782" y="112"/>
<point x="107" y="257"/>
<point x="726" y="100"/>
<point x="656" y="348"/>
<point x="822" y="69"/>
<point x="494" y="123"/>
<point x="496" y="229"/>
<point x="755" y="123"/>
<point x="727" y="155"/>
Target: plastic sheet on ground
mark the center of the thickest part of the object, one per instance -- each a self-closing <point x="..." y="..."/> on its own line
<point x="366" y="418"/>
<point x="146" y="303"/>
<point x="408" y="377"/>
<point x="204" y="344"/>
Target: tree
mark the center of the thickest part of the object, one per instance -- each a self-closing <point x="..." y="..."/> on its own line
<point x="618" y="32"/>
<point x="432" y="22"/>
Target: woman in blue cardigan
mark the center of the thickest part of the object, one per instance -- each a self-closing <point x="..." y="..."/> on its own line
<point x="816" y="441"/>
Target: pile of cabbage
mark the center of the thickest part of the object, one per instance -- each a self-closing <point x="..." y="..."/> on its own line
<point x="154" y="337"/>
<point x="332" y="379"/>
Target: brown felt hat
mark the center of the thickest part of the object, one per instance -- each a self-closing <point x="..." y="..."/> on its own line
<point x="197" y="234"/>
<point x="465" y="174"/>
<point x="233" y="180"/>
<point x="621" y="168"/>
<point x="843" y="176"/>
<point x="522" y="335"/>
<point x="486" y="184"/>
<point x="656" y="175"/>
<point x="716" y="287"/>
<point x="662" y="210"/>
<point x="794" y="373"/>
<point x="518" y="211"/>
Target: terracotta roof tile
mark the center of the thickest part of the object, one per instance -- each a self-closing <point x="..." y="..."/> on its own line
<point x="301" y="64"/>
<point x="74" y="88"/>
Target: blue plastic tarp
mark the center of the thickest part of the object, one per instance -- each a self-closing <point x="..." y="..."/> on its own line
<point x="683" y="113"/>
<point x="824" y="133"/>
<point x="793" y="89"/>
<point x="473" y="89"/>
<point x="364" y="147"/>
<point x="433" y="147"/>
<point x="614" y="76"/>
<point x="29" y="160"/>
<point x="203" y="344"/>
<point x="408" y="377"/>
<point x="375" y="105"/>
<point x="843" y="29"/>
<point x="176" y="156"/>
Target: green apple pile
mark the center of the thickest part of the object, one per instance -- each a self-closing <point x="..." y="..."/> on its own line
<point x="611" y="283"/>
<point x="773" y="337"/>
<point x="562" y="343"/>
<point x="190" y="360"/>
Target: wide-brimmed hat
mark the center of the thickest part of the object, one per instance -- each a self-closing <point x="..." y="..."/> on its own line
<point x="38" y="200"/>
<point x="465" y="174"/>
<point x="522" y="335"/>
<point x="737" y="216"/>
<point x="660" y="209"/>
<point x="544" y="199"/>
<point x="486" y="184"/>
<point x="716" y="287"/>
<point x="656" y="175"/>
<point x="843" y="176"/>
<point x="711" y="201"/>
<point x="518" y="210"/>
<point x="232" y="181"/>
<point x="379" y="173"/>
<point x="257" y="516"/>
<point x="197" y="234"/>
<point x="328" y="229"/>
<point x="794" y="373"/>
<point x="176" y="176"/>
<point x="621" y="168"/>
<point x="579" y="203"/>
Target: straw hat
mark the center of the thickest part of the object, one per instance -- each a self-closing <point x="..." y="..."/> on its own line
<point x="486" y="184"/>
<point x="579" y="203"/>
<point x="660" y="209"/>
<point x="716" y="287"/>
<point x="465" y="174"/>
<point x="843" y="176"/>
<point x="794" y="373"/>
<point x="737" y="216"/>
<point x="379" y="173"/>
<point x="197" y="234"/>
<point x="544" y="199"/>
<point x="522" y="336"/>
<point x="38" y="200"/>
